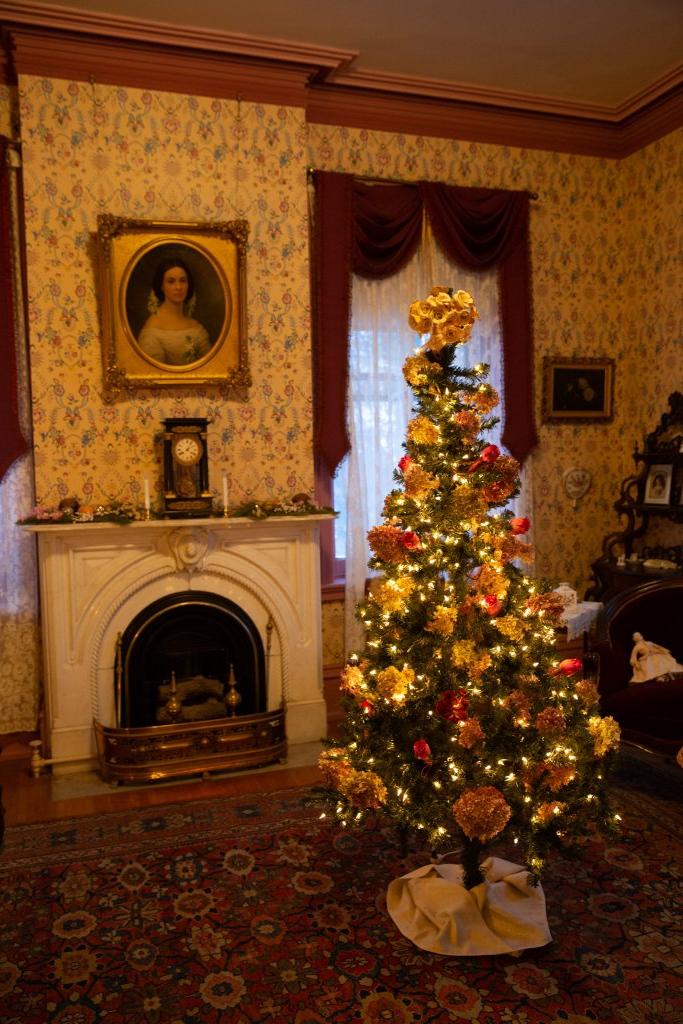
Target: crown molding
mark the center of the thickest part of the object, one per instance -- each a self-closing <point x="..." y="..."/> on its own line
<point x="27" y="13"/>
<point x="466" y="93"/>
<point x="647" y="124"/>
<point x="133" y="64"/>
<point x="667" y="86"/>
<point x="62" y="42"/>
<point x="328" y="103"/>
<point x="65" y="43"/>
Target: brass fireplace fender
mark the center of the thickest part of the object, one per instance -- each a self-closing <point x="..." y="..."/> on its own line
<point x="168" y="751"/>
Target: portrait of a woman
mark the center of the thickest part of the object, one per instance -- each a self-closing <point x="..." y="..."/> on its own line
<point x="176" y="304"/>
<point x="658" y="485"/>
<point x="173" y="304"/>
<point x="170" y="335"/>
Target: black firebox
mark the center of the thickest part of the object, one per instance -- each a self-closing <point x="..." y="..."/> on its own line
<point x="189" y="657"/>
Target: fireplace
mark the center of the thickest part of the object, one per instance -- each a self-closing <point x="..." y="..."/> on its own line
<point x="128" y="612"/>
<point x="197" y="649"/>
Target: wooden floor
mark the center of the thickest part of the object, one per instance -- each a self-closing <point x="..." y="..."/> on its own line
<point x="27" y="800"/>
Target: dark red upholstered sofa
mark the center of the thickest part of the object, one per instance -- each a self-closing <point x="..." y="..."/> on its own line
<point x="650" y="714"/>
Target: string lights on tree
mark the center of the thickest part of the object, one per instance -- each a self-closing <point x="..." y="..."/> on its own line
<point x="461" y="723"/>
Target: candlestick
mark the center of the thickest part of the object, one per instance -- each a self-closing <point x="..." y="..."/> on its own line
<point x="147" y="502"/>
<point x="225" y="493"/>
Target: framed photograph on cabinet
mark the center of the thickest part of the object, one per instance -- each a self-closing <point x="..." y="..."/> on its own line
<point x="658" y="485"/>
<point x="578" y="389"/>
<point x="172" y="304"/>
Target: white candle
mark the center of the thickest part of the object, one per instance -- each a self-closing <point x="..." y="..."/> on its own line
<point x="146" y="486"/>
<point x="225" y="490"/>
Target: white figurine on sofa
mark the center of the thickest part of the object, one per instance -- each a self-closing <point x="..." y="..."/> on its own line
<point x="650" y="661"/>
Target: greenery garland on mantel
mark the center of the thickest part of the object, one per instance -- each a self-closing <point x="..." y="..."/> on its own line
<point x="123" y="514"/>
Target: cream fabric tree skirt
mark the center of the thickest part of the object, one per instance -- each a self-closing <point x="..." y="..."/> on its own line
<point x="504" y="914"/>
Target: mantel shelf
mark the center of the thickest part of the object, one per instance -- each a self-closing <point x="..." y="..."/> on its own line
<point x="208" y="522"/>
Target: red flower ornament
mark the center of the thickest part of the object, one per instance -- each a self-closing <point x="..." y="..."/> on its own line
<point x="568" y="667"/>
<point x="489" y="455"/>
<point x="519" y="525"/>
<point x="492" y="604"/>
<point x="422" y="751"/>
<point x="404" y="463"/>
<point x="452" y="705"/>
<point x="410" y="541"/>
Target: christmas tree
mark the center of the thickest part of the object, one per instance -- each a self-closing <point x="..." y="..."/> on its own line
<point x="461" y="723"/>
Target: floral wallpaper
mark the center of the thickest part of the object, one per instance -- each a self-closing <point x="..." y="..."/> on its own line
<point x="7" y="103"/>
<point x="606" y="282"/>
<point x="333" y="632"/>
<point x="652" y="322"/>
<point x="91" y="149"/>
<point x="604" y="250"/>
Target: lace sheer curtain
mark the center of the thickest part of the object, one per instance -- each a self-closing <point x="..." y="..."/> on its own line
<point x="380" y="401"/>
<point x="19" y="633"/>
<point x="19" y="628"/>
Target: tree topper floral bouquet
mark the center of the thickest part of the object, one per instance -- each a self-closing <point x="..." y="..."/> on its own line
<point x="446" y="316"/>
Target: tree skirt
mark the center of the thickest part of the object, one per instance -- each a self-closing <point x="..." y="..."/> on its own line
<point x="252" y="910"/>
<point x="503" y="914"/>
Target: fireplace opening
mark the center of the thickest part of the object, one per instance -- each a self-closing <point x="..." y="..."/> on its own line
<point x="187" y="658"/>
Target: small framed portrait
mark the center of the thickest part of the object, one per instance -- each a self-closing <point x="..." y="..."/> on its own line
<point x="658" y="485"/>
<point x="173" y="304"/>
<point x="578" y="389"/>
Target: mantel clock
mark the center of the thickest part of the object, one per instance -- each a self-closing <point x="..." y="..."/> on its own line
<point x="186" y="468"/>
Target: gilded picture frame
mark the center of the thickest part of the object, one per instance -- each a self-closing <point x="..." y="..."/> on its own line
<point x="138" y="349"/>
<point x="577" y="390"/>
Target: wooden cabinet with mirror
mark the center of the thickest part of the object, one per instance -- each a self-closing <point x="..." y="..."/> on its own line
<point x="654" y="492"/>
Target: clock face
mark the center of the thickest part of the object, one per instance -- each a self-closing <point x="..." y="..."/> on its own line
<point x="187" y="450"/>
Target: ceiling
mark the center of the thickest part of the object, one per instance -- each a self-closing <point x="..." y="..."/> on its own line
<point x="585" y="52"/>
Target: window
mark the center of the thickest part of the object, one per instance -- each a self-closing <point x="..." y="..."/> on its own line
<point x="372" y="227"/>
<point x="379" y="401"/>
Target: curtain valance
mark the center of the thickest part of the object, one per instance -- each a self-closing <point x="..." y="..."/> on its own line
<point x="373" y="230"/>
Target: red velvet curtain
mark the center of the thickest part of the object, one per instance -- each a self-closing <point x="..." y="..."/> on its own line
<point x="373" y="230"/>
<point x="12" y="441"/>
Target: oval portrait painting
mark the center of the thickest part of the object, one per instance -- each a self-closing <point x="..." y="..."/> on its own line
<point x="177" y="304"/>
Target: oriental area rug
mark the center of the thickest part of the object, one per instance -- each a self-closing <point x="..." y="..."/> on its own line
<point x="252" y="910"/>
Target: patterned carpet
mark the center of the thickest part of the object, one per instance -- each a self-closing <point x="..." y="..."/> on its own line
<point x="253" y="911"/>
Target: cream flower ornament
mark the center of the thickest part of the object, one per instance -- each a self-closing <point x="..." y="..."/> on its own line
<point x="446" y="316"/>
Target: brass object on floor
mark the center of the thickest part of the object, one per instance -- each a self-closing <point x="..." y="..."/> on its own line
<point x="192" y="699"/>
<point x="168" y="751"/>
<point x="232" y="697"/>
<point x="173" y="706"/>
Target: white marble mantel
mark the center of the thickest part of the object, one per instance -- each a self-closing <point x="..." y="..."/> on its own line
<point x="95" y="577"/>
